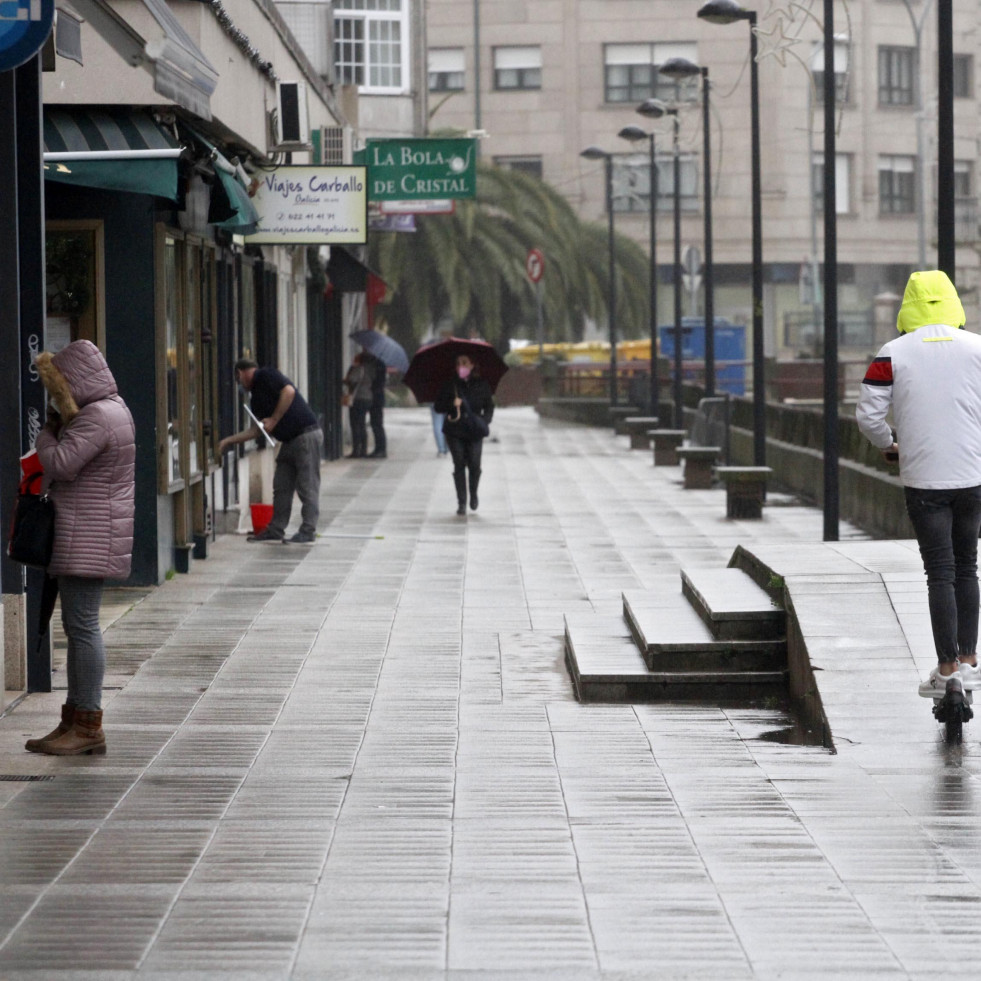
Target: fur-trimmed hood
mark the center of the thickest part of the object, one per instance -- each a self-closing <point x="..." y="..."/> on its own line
<point x="75" y="376"/>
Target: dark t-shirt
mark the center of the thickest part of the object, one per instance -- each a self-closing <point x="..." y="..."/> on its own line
<point x="267" y="383"/>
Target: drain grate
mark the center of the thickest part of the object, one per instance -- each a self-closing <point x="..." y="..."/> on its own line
<point x="24" y="777"/>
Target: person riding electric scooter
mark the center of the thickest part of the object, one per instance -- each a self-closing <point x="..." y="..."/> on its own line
<point x="930" y="377"/>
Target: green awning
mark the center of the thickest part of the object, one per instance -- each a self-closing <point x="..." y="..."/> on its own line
<point x="230" y="207"/>
<point x="116" y="150"/>
<point x="245" y="218"/>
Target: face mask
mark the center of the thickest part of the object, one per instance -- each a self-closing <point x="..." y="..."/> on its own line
<point x="464" y="373"/>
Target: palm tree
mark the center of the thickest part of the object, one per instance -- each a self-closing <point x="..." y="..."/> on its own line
<point x="469" y="267"/>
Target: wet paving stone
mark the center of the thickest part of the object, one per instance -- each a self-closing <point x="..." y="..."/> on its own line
<point x="365" y="759"/>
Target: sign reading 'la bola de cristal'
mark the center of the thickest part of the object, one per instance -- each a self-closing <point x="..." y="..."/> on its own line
<point x="418" y="170"/>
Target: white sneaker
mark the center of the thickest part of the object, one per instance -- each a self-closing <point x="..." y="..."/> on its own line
<point x="971" y="676"/>
<point x="936" y="684"/>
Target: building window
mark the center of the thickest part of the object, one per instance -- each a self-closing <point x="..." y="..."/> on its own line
<point x="446" y="72"/>
<point x="526" y="165"/>
<point x="963" y="77"/>
<point x="896" y="74"/>
<point x="631" y="72"/>
<point x="632" y="183"/>
<point x="841" y="72"/>
<point x="518" y="68"/>
<point x="897" y="185"/>
<point x="843" y="182"/>
<point x="963" y="182"/>
<point x="370" y="44"/>
<point x="311" y="24"/>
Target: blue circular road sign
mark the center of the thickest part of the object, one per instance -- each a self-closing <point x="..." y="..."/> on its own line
<point x="24" y="27"/>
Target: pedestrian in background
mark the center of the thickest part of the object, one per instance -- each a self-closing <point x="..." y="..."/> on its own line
<point x="88" y="450"/>
<point x="377" y="411"/>
<point x="358" y="382"/>
<point x="930" y="377"/>
<point x="284" y="414"/>
<point x="466" y="392"/>
<point x="438" y="418"/>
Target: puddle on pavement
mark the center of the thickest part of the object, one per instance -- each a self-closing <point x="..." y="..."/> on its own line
<point x="796" y="733"/>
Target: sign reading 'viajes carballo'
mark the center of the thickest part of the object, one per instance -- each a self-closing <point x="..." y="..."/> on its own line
<point x="417" y="170"/>
<point x="24" y="27"/>
<point x="311" y="205"/>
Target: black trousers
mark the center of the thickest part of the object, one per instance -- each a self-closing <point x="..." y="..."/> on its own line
<point x="466" y="456"/>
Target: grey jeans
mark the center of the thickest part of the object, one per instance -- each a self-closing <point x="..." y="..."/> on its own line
<point x="81" y="598"/>
<point x="297" y="471"/>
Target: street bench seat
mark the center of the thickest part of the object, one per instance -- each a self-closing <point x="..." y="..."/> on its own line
<point x="745" y="490"/>
<point x="618" y="413"/>
<point x="699" y="464"/>
<point x="666" y="443"/>
<point x="638" y="429"/>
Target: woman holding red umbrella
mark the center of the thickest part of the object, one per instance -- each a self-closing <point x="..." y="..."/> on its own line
<point x="468" y="402"/>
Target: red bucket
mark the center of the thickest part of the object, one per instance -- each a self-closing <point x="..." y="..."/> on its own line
<point x="261" y="516"/>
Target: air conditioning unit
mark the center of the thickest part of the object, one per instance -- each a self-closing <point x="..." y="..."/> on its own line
<point x="291" y="120"/>
<point x="336" y="145"/>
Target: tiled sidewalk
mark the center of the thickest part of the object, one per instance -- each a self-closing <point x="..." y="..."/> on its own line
<point x="363" y="759"/>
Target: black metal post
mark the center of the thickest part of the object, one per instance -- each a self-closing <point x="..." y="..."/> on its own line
<point x="759" y="382"/>
<point x="30" y="197"/>
<point x="946" y="259"/>
<point x="831" y="439"/>
<point x="11" y="574"/>
<point x="679" y="409"/>
<point x="653" y="185"/>
<point x="477" y="115"/>
<point x="612" y="291"/>
<point x="709" y="275"/>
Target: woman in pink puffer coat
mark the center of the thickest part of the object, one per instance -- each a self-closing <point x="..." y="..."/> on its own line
<point x="88" y="451"/>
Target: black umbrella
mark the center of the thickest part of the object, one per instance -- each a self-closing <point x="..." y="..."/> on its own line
<point x="433" y="364"/>
<point x="390" y="353"/>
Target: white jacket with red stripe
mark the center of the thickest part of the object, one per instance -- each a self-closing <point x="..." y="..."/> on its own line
<point x="931" y="378"/>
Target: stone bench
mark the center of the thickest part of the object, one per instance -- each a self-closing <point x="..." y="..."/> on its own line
<point x="617" y="415"/>
<point x="699" y="462"/>
<point x="666" y="443"/>
<point x="638" y="428"/>
<point x="745" y="490"/>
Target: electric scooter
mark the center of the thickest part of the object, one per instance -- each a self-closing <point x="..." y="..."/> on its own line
<point x="953" y="709"/>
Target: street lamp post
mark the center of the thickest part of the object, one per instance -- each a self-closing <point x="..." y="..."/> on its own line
<point x="596" y="153"/>
<point x="725" y="12"/>
<point x="679" y="68"/>
<point x="946" y="248"/>
<point x="634" y="134"/>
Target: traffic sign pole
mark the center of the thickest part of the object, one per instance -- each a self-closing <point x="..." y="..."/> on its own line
<point x="535" y="268"/>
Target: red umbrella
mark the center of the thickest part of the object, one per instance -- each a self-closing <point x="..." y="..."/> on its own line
<point x="433" y="364"/>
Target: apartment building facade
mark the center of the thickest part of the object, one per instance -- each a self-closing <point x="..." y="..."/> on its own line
<point x="544" y="81"/>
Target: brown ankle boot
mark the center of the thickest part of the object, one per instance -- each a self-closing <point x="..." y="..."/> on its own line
<point x="85" y="736"/>
<point x="67" y="718"/>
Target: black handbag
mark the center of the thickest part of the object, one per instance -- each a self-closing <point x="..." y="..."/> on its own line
<point x="32" y="529"/>
<point x="467" y="424"/>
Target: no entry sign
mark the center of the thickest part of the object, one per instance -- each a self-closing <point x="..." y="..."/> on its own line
<point x="24" y="27"/>
<point x="535" y="265"/>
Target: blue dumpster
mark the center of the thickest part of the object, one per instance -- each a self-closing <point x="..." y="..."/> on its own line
<point x="730" y="345"/>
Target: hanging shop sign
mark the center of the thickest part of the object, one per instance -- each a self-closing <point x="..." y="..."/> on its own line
<point x="311" y="206"/>
<point x="24" y="27"/>
<point x="419" y="170"/>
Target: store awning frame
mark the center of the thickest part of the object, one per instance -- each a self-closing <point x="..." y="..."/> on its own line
<point x="180" y="70"/>
<point x="232" y="200"/>
<point x="117" y="150"/>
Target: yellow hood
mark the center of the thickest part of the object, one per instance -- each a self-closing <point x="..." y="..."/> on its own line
<point x="930" y="298"/>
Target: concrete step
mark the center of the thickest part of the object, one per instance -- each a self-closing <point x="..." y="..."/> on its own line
<point x="732" y="605"/>
<point x="606" y="666"/>
<point x="671" y="636"/>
